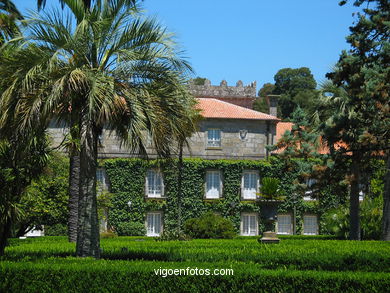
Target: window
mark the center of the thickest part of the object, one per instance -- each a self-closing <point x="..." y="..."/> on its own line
<point x="153" y="224"/>
<point x="309" y="193"/>
<point x="284" y="224"/>
<point x="362" y="191"/>
<point x="250" y="184"/>
<point x="154" y="184"/>
<point x="310" y="225"/>
<point x="101" y="180"/>
<point x="249" y="224"/>
<point x="213" y="184"/>
<point x="100" y="140"/>
<point x="214" y="138"/>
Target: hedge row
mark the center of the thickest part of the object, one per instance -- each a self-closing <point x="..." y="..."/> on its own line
<point x="335" y="255"/>
<point x="75" y="275"/>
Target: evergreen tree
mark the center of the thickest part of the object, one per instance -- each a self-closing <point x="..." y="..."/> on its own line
<point x="360" y="122"/>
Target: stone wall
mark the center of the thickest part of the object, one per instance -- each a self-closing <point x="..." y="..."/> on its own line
<point x="223" y="90"/>
<point x="232" y="146"/>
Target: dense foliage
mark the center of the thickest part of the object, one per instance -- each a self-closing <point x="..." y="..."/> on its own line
<point x="297" y="87"/>
<point x="360" y="117"/>
<point x="209" y="225"/>
<point x="46" y="199"/>
<point x="127" y="182"/>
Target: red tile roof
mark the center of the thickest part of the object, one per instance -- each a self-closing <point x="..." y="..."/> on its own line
<point x="213" y="108"/>
<point x="282" y="127"/>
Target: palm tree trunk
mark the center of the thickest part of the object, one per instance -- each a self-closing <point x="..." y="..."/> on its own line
<point x="5" y="233"/>
<point x="73" y="205"/>
<point x="88" y="225"/>
<point x="354" y="209"/>
<point x="386" y="203"/>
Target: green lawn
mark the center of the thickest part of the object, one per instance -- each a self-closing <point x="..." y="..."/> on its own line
<point x="303" y="263"/>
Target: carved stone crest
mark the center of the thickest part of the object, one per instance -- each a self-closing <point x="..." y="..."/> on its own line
<point x="243" y="133"/>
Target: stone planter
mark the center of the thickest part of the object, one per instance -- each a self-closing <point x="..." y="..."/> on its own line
<point x="269" y="238"/>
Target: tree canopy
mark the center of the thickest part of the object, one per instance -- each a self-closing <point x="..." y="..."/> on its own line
<point x="296" y="86"/>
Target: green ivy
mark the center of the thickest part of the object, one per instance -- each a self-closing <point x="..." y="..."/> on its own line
<point x="127" y="182"/>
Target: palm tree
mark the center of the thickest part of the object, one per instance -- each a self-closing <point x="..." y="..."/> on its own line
<point x="110" y="69"/>
<point x="74" y="152"/>
<point x="8" y="15"/>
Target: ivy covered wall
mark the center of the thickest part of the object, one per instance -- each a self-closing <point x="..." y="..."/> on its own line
<point x="127" y="183"/>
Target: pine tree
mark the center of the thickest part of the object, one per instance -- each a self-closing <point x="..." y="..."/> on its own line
<point x="361" y="126"/>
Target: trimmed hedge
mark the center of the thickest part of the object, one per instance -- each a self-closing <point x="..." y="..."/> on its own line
<point x="293" y="253"/>
<point x="86" y="275"/>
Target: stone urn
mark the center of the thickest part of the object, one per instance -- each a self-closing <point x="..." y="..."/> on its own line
<point x="269" y="237"/>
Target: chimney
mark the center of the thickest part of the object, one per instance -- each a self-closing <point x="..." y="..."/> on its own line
<point x="273" y="104"/>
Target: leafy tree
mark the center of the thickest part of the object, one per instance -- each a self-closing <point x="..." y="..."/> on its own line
<point x="8" y="16"/>
<point x="296" y="87"/>
<point x="45" y="200"/>
<point x="22" y="158"/>
<point x="361" y="120"/>
<point x="199" y="80"/>
<point x="300" y="143"/>
<point x="114" y="69"/>
<point x="261" y="103"/>
<point x="267" y="89"/>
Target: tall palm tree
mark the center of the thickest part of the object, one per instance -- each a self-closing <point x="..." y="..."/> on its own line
<point x="73" y="148"/>
<point x="8" y="16"/>
<point x="110" y="69"/>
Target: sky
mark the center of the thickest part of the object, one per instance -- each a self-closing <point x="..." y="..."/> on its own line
<point x="250" y="40"/>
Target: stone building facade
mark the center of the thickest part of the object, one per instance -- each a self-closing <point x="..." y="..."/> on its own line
<point x="230" y="129"/>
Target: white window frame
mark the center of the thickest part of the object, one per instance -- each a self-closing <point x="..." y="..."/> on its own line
<point x="211" y="193"/>
<point x="309" y="192"/>
<point x="152" y="232"/>
<point x="289" y="228"/>
<point x="305" y="219"/>
<point x="250" y="194"/>
<point x="214" y="141"/>
<point x="154" y="192"/>
<point x="252" y="218"/>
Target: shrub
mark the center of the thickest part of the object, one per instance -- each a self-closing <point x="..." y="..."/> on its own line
<point x="108" y="234"/>
<point x="130" y="229"/>
<point x="209" y="225"/>
<point x="56" y="230"/>
<point x="173" y="235"/>
<point x="371" y="217"/>
<point x="336" y="221"/>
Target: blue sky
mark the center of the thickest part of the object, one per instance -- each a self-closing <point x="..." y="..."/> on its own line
<point x="250" y="40"/>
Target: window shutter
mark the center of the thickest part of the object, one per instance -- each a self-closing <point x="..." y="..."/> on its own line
<point x="242" y="185"/>
<point x="162" y="185"/>
<point x="147" y="184"/>
<point x="245" y="225"/>
<point x="220" y="184"/>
